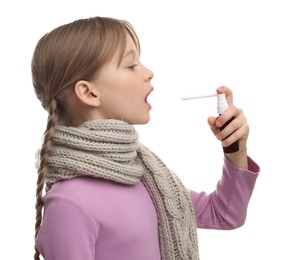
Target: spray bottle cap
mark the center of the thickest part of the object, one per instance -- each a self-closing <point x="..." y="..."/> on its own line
<point x="222" y="104"/>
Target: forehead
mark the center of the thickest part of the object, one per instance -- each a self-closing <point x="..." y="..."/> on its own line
<point x="129" y="50"/>
<point x="130" y="45"/>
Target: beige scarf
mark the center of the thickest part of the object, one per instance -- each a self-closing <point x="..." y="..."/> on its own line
<point x="110" y="149"/>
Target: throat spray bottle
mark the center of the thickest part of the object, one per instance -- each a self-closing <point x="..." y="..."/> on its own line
<point x="222" y="105"/>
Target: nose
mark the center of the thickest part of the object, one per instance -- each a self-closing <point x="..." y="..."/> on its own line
<point x="149" y="74"/>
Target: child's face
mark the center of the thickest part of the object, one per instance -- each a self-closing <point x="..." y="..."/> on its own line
<point x="123" y="90"/>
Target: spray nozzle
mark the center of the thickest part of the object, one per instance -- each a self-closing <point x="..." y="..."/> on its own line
<point x="222" y="104"/>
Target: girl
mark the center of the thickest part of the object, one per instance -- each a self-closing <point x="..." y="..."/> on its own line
<point x="108" y="196"/>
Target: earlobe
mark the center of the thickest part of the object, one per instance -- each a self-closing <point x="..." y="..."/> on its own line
<point x="87" y="93"/>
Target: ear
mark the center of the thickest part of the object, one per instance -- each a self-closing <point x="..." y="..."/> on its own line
<point x="87" y="93"/>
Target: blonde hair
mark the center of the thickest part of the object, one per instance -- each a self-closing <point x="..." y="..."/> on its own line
<point x="69" y="53"/>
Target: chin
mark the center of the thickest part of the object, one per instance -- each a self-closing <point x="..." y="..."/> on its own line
<point x="141" y="121"/>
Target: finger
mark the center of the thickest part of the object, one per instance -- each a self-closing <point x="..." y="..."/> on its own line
<point x="212" y="124"/>
<point x="235" y="130"/>
<point x="239" y="135"/>
<point x="231" y="112"/>
<point x="228" y="129"/>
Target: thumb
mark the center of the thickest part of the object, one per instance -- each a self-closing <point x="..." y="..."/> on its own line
<point x="212" y="124"/>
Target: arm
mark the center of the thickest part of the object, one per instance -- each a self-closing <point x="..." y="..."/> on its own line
<point x="67" y="232"/>
<point x="226" y="207"/>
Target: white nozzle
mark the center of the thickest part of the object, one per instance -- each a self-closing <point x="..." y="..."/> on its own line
<point x="222" y="104"/>
<point x="196" y="97"/>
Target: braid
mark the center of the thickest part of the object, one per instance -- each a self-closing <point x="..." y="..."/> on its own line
<point x="42" y="169"/>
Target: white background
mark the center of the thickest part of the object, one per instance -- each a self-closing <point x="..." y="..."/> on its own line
<point x="193" y="47"/>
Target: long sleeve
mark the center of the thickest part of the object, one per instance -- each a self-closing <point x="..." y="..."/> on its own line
<point x="226" y="207"/>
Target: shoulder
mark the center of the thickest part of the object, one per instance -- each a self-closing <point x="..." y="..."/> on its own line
<point x="68" y="197"/>
<point x="80" y="191"/>
<point x="80" y="188"/>
<point x="95" y="195"/>
<point x="76" y="185"/>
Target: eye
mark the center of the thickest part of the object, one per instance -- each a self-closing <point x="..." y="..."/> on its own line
<point x="132" y="67"/>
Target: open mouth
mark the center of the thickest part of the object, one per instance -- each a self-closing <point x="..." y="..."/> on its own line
<point x="146" y="98"/>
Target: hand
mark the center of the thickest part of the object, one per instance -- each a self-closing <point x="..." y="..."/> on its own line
<point x="236" y="130"/>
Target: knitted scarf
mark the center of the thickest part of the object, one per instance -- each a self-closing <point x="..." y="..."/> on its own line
<point x="110" y="149"/>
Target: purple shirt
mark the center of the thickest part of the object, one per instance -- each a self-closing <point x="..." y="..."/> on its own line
<point x="95" y="219"/>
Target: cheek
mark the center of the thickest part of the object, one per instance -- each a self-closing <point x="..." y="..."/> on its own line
<point x="134" y="86"/>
